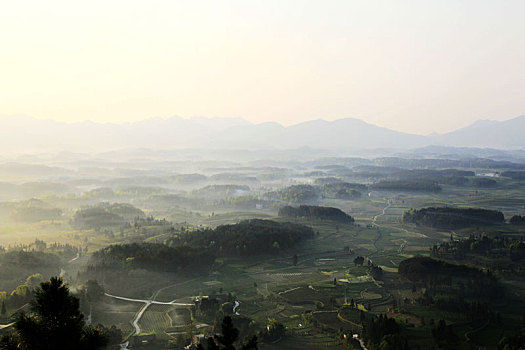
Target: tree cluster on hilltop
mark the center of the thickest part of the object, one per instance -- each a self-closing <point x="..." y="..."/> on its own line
<point x="342" y="190"/>
<point x="105" y="215"/>
<point x="297" y="193"/>
<point x="248" y="237"/>
<point x="517" y="220"/>
<point x="427" y="270"/>
<point x="150" y="256"/>
<point x="316" y="212"/>
<point x="482" y="245"/>
<point x="450" y="218"/>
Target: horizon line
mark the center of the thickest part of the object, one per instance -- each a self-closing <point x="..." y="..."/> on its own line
<point x="164" y="118"/>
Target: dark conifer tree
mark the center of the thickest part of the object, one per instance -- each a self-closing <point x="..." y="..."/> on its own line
<point x="55" y="323"/>
<point x="230" y="334"/>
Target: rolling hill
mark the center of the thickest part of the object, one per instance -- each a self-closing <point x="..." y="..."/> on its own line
<point x="26" y="134"/>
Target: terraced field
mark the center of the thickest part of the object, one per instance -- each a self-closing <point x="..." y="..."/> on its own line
<point x="272" y="287"/>
<point x="304" y="343"/>
<point x="156" y="319"/>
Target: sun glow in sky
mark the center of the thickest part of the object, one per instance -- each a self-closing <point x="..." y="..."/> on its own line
<point x="417" y="66"/>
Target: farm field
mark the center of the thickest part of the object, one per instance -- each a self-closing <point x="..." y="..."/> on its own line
<point x="272" y="287"/>
<point x="316" y="288"/>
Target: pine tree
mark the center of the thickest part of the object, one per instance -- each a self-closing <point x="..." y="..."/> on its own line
<point x="55" y="323"/>
<point x="230" y="334"/>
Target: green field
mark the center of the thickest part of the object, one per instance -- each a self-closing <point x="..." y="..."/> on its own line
<point x="311" y="298"/>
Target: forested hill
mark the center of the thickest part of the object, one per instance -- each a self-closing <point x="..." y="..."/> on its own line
<point x="451" y="218"/>
<point x="150" y="256"/>
<point x="249" y="237"/>
<point x="316" y="212"/>
<point x="423" y="270"/>
<point x="420" y="268"/>
<point x="105" y="215"/>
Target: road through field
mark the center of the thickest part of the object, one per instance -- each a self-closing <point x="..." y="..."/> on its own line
<point x="383" y="212"/>
<point x="151" y="301"/>
<point x="143" y="309"/>
<point x="148" y="302"/>
<point x="379" y="233"/>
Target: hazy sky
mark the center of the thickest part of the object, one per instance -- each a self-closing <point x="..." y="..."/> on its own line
<point x="416" y="66"/>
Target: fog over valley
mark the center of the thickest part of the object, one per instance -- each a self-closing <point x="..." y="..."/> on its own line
<point x="262" y="175"/>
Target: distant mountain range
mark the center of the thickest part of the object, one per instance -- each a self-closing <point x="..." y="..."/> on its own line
<point x="26" y="134"/>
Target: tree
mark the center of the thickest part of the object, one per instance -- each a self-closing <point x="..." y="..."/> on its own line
<point x="55" y="323"/>
<point x="34" y="280"/>
<point x="112" y="334"/>
<point x="444" y="335"/>
<point x="21" y="295"/>
<point x="376" y="272"/>
<point x="94" y="291"/>
<point x="210" y="345"/>
<point x="251" y="344"/>
<point x="226" y="340"/>
<point x="230" y="334"/>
